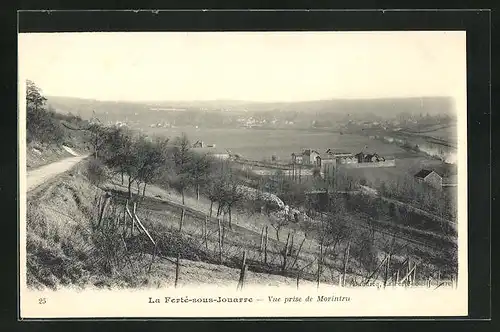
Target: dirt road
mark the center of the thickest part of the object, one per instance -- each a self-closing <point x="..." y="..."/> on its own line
<point x="40" y="175"/>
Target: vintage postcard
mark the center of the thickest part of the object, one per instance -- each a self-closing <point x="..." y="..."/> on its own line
<point x="243" y="174"/>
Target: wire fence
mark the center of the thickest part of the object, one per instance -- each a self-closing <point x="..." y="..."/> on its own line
<point x="127" y="235"/>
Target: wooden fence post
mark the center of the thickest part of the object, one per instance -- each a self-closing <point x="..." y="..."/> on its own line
<point x="386" y="274"/>
<point x="177" y="270"/>
<point x="408" y="277"/>
<point x="206" y="232"/>
<point x="414" y="279"/>
<point x="132" y="224"/>
<point x="376" y="271"/>
<point x="220" y="240"/>
<point x="103" y="210"/>
<point x="265" y="245"/>
<point x="124" y="219"/>
<point x="290" y="251"/>
<point x="152" y="258"/>
<point x="242" y="271"/>
<point x="285" y="253"/>
<point x="223" y="233"/>
<point x="182" y="219"/>
<point x="320" y="260"/>
<point x="261" y="247"/>
<point x="346" y="261"/>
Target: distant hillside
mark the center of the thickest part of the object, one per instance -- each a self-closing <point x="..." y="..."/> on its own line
<point x="85" y="107"/>
<point x="385" y="108"/>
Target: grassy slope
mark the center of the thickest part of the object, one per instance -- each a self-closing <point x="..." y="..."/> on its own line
<point x="62" y="252"/>
<point x="38" y="154"/>
<point x="248" y="227"/>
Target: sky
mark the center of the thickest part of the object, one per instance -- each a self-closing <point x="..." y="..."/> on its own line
<point x="251" y="66"/>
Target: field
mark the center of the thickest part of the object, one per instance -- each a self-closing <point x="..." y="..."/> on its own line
<point x="257" y="144"/>
<point x="447" y="132"/>
<point x="409" y="165"/>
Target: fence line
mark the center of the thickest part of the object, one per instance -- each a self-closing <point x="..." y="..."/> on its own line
<point x="227" y="251"/>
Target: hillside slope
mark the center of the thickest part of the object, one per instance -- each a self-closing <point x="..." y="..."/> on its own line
<point x="387" y="107"/>
<point x="63" y="249"/>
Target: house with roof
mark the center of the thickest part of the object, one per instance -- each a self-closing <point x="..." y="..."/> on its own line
<point x="310" y="157"/>
<point x="297" y="158"/>
<point x="337" y="153"/>
<point x="307" y="157"/>
<point x="199" y="144"/>
<point x="368" y="157"/>
<point x="341" y="157"/>
<point x="429" y="177"/>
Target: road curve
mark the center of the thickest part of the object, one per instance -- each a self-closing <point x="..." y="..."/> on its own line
<point x="42" y="174"/>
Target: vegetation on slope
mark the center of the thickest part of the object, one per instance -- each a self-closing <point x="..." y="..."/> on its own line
<point x="68" y="246"/>
<point x="47" y="131"/>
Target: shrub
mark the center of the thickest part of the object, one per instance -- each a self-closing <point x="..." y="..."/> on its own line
<point x="96" y="172"/>
<point x="42" y="126"/>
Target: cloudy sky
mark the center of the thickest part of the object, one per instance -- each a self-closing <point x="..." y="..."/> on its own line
<point x="256" y="66"/>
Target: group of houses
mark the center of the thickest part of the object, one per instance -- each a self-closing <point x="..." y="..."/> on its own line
<point x="331" y="156"/>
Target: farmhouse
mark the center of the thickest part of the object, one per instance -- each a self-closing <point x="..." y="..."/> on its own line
<point x="310" y="157"/>
<point x="297" y="158"/>
<point x="368" y="158"/>
<point x="307" y="157"/>
<point x="335" y="153"/>
<point x="430" y="177"/>
<point x="199" y="144"/>
<point x="341" y="157"/>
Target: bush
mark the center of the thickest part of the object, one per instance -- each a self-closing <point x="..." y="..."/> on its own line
<point x="96" y="172"/>
<point x="365" y="252"/>
<point x="42" y="126"/>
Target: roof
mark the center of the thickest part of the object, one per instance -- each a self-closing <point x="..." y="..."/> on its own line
<point x="423" y="173"/>
<point x="337" y="152"/>
<point x="308" y="152"/>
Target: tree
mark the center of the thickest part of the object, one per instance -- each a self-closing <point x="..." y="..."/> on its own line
<point x="140" y="159"/>
<point x="365" y="252"/>
<point x="182" y="158"/>
<point x="278" y="222"/>
<point x="198" y="168"/>
<point x="154" y="159"/>
<point x="118" y="150"/>
<point x="215" y="190"/>
<point x="232" y="195"/>
<point x="34" y="97"/>
<point x="41" y="125"/>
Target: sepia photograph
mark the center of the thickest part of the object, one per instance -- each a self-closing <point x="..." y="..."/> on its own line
<point x="235" y="174"/>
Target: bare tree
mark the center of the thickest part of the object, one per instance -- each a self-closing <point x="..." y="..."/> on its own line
<point x="199" y="168"/>
<point x="182" y="158"/>
<point x="154" y="159"/>
<point x="119" y="150"/>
